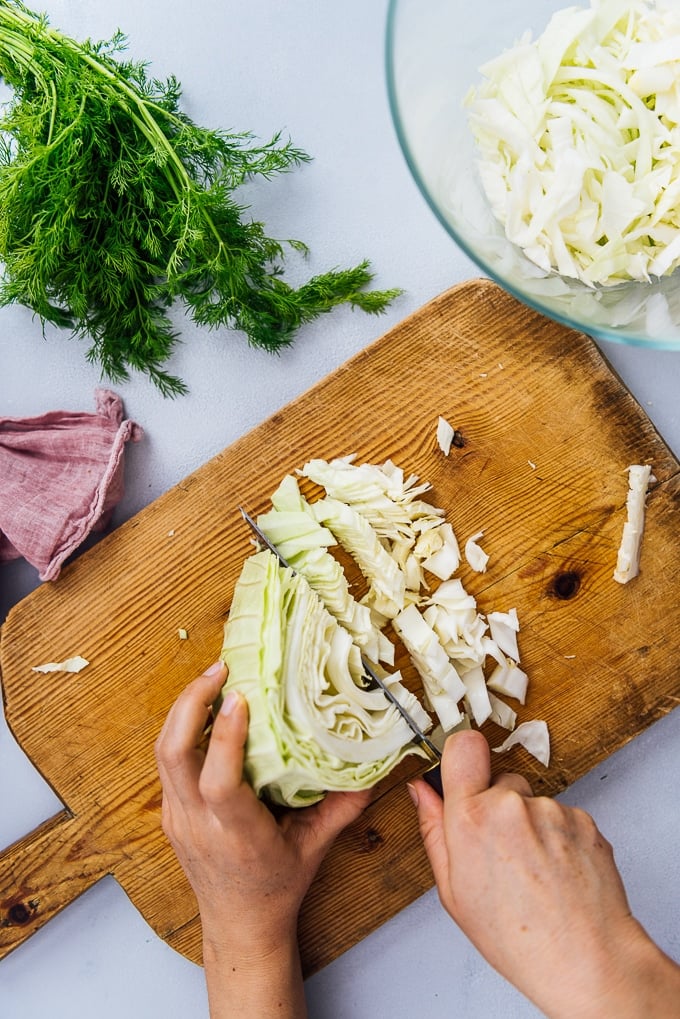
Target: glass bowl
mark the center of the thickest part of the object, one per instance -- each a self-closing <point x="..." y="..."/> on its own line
<point x="434" y="49"/>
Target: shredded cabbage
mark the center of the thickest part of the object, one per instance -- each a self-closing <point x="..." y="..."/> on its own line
<point x="579" y="141"/>
<point x="445" y="561"/>
<point x="452" y="614"/>
<point x="441" y="682"/>
<point x="387" y="500"/>
<point x="387" y="581"/>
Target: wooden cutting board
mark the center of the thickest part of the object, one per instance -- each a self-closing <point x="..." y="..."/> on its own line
<point x="548" y="432"/>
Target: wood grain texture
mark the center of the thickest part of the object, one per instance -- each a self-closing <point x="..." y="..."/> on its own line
<point x="548" y="432"/>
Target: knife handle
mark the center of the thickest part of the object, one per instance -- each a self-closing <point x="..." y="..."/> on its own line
<point x="433" y="777"/>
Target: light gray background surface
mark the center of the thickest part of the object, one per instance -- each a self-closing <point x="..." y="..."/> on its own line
<point x="313" y="68"/>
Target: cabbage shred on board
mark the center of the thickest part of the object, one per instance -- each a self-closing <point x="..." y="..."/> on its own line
<point x="578" y="134"/>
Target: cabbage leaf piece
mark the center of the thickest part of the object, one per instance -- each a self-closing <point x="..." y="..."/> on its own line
<point x="314" y="725"/>
<point x="534" y="736"/>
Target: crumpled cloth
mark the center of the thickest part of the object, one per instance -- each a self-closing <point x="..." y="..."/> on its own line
<point x="61" y="474"/>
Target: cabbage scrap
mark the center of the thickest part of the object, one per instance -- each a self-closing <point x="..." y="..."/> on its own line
<point x="628" y="557"/>
<point x="477" y="699"/>
<point x="445" y="434"/>
<point x="314" y="725"/>
<point x="475" y="555"/>
<point x="507" y="678"/>
<point x="504" y="628"/>
<point x="501" y="713"/>
<point x="533" y="736"/>
<point x="75" y="664"/>
<point x="579" y="143"/>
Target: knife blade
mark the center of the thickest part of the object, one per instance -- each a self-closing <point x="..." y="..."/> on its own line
<point x="433" y="775"/>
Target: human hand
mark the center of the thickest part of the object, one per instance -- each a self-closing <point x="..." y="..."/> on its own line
<point x="534" y="886"/>
<point x="248" y="869"/>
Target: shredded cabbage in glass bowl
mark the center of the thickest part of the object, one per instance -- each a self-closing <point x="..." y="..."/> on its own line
<point x="546" y="139"/>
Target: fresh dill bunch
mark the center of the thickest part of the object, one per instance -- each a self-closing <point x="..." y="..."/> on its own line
<point x="114" y="204"/>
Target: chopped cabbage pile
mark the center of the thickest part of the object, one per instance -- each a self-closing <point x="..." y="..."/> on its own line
<point x="296" y="635"/>
<point x="578" y="134"/>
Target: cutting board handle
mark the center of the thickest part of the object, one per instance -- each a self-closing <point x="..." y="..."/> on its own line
<point x="39" y="875"/>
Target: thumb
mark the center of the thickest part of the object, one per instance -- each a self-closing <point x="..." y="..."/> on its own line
<point x="430" y="809"/>
<point x="466" y="769"/>
<point x="221" y="782"/>
<point x="466" y="766"/>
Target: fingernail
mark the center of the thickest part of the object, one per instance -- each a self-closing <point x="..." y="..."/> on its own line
<point x="229" y="702"/>
<point x="413" y="793"/>
<point x="214" y="669"/>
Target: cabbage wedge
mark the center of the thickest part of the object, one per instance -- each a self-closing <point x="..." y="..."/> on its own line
<point x="314" y="725"/>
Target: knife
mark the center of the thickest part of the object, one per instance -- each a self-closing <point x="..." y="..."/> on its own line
<point x="433" y="775"/>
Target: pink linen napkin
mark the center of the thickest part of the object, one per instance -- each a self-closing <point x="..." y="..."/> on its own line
<point x="61" y="474"/>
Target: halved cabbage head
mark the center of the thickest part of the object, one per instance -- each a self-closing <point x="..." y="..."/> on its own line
<point x="314" y="725"/>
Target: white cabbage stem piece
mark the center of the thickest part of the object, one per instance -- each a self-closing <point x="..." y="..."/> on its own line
<point x="504" y="628"/>
<point x="476" y="557"/>
<point x="445" y="434"/>
<point x="75" y="664"/>
<point x="628" y="557"/>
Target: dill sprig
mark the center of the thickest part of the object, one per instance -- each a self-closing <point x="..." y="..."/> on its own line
<point x="113" y="204"/>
